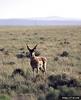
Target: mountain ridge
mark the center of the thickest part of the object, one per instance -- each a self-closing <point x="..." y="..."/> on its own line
<point x="40" y="21"/>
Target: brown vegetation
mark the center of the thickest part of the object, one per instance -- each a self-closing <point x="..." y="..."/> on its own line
<point x="61" y="45"/>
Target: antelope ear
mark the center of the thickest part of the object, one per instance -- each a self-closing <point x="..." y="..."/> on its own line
<point x="35" y="47"/>
<point x="28" y="47"/>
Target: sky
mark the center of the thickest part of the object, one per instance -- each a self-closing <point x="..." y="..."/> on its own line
<point x="40" y="8"/>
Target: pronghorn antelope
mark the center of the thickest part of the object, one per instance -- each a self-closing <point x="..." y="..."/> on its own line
<point x="37" y="62"/>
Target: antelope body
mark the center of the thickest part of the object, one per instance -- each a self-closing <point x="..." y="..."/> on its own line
<point x="37" y="62"/>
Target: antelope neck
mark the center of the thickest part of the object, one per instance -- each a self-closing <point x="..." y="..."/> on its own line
<point x="33" y="56"/>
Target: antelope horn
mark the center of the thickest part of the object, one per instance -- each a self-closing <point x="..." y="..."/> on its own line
<point x="35" y="47"/>
<point x="27" y="47"/>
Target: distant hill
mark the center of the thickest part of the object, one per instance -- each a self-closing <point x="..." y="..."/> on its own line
<point x="40" y="21"/>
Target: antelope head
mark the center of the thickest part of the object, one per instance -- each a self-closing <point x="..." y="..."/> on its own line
<point x="31" y="51"/>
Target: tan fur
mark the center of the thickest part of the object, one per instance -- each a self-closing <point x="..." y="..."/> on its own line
<point x="38" y="63"/>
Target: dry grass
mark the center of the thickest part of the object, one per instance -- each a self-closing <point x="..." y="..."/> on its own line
<point x="52" y="40"/>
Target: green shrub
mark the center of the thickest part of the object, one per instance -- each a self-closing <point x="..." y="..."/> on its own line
<point x="54" y="95"/>
<point x="37" y="53"/>
<point x="42" y="38"/>
<point x="69" y="91"/>
<point x="25" y="89"/>
<point x="27" y="54"/>
<point x="4" y="97"/>
<point x="51" y="89"/>
<point x="42" y="97"/>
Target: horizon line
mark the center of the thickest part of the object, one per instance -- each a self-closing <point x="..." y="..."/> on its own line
<point x="43" y="18"/>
